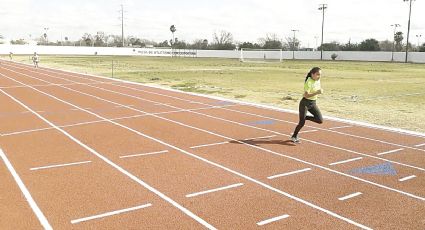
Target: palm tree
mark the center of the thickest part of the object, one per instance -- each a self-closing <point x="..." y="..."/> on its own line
<point x="398" y="38"/>
<point x="172" y="29"/>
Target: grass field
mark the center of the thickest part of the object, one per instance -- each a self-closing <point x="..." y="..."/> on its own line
<point x="389" y="94"/>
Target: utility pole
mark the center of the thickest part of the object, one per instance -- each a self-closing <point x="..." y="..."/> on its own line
<point x="408" y="27"/>
<point x="122" y="25"/>
<point x="392" y="51"/>
<point x="293" y="43"/>
<point x="322" y="8"/>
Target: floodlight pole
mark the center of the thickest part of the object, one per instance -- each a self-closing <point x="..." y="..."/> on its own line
<point x="293" y="48"/>
<point x="392" y="51"/>
<point x="408" y="27"/>
<point x="322" y="8"/>
<point x="122" y="25"/>
<point x="419" y="37"/>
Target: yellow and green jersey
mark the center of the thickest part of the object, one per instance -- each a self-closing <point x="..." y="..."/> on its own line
<point x="311" y="86"/>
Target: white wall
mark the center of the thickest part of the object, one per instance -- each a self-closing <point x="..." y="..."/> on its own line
<point x="417" y="57"/>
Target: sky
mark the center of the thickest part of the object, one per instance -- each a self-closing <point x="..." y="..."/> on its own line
<point x="247" y="20"/>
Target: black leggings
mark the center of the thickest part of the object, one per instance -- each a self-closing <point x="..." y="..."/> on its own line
<point x="311" y="106"/>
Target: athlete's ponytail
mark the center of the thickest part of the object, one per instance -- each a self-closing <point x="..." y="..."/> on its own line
<point x="312" y="71"/>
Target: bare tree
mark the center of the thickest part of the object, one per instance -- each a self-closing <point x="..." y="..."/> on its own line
<point x="222" y="38"/>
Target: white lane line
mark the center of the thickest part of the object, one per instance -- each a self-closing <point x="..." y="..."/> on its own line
<point x="388" y="152"/>
<point x="346" y="161"/>
<point x="407" y="178"/>
<point x="226" y="142"/>
<point x="265" y="137"/>
<point x="309" y="131"/>
<point x="420" y="145"/>
<point x="350" y="196"/>
<point x="218" y="165"/>
<point x="144" y="154"/>
<point x="44" y="222"/>
<point x="214" y="190"/>
<point x="274" y="219"/>
<point x="106" y="160"/>
<point x="110" y="213"/>
<point x="289" y="173"/>
<point x="341" y="127"/>
<point x="60" y="165"/>
<point x="207" y="145"/>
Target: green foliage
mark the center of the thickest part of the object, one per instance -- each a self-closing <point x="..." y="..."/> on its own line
<point x="369" y="45"/>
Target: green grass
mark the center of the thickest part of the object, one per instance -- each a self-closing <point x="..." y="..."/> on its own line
<point x="390" y="94"/>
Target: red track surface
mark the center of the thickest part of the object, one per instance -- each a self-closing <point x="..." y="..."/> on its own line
<point x="161" y="159"/>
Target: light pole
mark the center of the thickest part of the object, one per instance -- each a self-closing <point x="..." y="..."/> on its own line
<point x="408" y="27"/>
<point x="293" y="44"/>
<point x="322" y="8"/>
<point x="419" y="37"/>
<point x="392" y="51"/>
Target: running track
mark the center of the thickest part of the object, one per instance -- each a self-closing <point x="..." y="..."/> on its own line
<point x="86" y="152"/>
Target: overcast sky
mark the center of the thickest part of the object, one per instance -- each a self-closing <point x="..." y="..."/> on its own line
<point x="247" y="20"/>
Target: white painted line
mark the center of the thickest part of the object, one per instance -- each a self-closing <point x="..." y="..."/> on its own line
<point x="289" y="173"/>
<point x="265" y="137"/>
<point x="346" y="161"/>
<point x="407" y="178"/>
<point x="350" y="196"/>
<point x="388" y="152"/>
<point x="214" y="190"/>
<point x="207" y="145"/>
<point x="420" y="145"/>
<point x="110" y="213"/>
<point x="341" y="127"/>
<point x="264" y="222"/>
<point x="44" y="222"/>
<point x="145" y="154"/>
<point x="61" y="165"/>
<point x="309" y="131"/>
<point x="106" y="160"/>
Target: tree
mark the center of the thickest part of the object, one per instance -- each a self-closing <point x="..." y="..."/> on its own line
<point x="349" y="46"/>
<point x="99" y="39"/>
<point x="369" y="45"/>
<point x="163" y="44"/>
<point x="398" y="38"/>
<point x="173" y="29"/>
<point x="223" y="41"/>
<point x="386" y="45"/>
<point x="200" y="44"/>
<point x="422" y="48"/>
<point x="1" y="37"/>
<point x="18" y="42"/>
<point x="271" y="41"/>
<point x="332" y="46"/>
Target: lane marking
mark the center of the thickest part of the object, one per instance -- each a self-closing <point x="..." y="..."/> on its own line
<point x="110" y="213"/>
<point x="106" y="160"/>
<point x="407" y="178"/>
<point x="341" y="127"/>
<point x="114" y="119"/>
<point x="309" y="131"/>
<point x="60" y="165"/>
<point x="144" y="154"/>
<point x="420" y="145"/>
<point x="350" y="196"/>
<point x="207" y="145"/>
<point x="258" y="182"/>
<point x="288" y="173"/>
<point x="346" y="161"/>
<point x="43" y="221"/>
<point x="388" y="152"/>
<point x="265" y="137"/>
<point x="214" y="190"/>
<point x="274" y="219"/>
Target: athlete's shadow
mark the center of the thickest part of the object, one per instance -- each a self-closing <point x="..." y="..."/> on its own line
<point x="264" y="142"/>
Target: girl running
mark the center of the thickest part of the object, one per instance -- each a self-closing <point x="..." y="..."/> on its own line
<point x="35" y="59"/>
<point x="312" y="88"/>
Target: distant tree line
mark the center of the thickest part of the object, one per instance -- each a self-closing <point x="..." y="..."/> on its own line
<point x="223" y="40"/>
